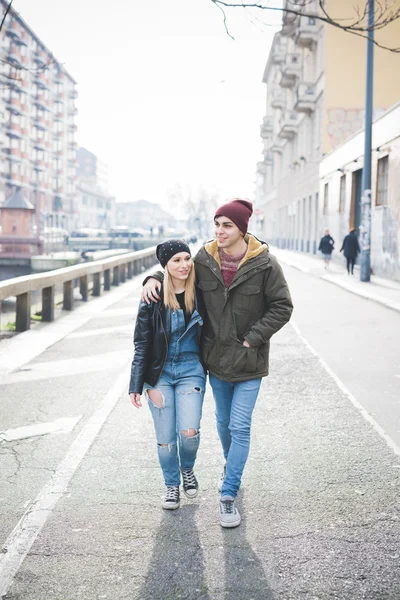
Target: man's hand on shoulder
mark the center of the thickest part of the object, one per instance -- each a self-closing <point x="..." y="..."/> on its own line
<point x="150" y="291"/>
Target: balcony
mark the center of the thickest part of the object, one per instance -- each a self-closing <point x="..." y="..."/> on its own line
<point x="266" y="128"/>
<point x="59" y="116"/>
<point x="72" y="127"/>
<point x="278" y="52"/>
<point x="277" y="145"/>
<point x="307" y="32"/>
<point x="288" y="125"/>
<point x="39" y="144"/>
<point x="268" y="158"/>
<point x="305" y="98"/>
<point x="278" y="99"/>
<point x="291" y="70"/>
<point x="13" y="130"/>
<point x="74" y="94"/>
<point x="14" y="54"/>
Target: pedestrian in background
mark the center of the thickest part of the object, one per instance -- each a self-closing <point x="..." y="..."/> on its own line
<point x="246" y="301"/>
<point x="167" y="365"/>
<point x="351" y="249"/>
<point x="326" y="246"/>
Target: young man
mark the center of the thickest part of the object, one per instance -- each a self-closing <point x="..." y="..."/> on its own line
<point x="246" y="300"/>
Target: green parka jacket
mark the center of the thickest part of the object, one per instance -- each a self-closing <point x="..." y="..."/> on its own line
<point x="254" y="307"/>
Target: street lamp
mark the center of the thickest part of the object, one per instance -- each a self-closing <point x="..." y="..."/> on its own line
<point x="365" y="229"/>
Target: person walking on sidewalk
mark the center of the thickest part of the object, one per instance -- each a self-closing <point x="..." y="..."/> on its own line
<point x="326" y="246"/>
<point x="350" y="249"/>
<point x="246" y="300"/>
<point x="167" y="365"/>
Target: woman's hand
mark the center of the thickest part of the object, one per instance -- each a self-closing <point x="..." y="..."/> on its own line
<point x="135" y="399"/>
<point x="150" y="290"/>
<point x="246" y="343"/>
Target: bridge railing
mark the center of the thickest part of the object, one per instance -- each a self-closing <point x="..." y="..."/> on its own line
<point x="103" y="273"/>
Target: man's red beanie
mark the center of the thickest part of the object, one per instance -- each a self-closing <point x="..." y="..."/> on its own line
<point x="238" y="211"/>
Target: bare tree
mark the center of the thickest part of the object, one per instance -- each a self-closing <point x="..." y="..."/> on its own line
<point x="386" y="12"/>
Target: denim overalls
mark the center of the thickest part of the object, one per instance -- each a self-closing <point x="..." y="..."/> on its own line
<point x="182" y="385"/>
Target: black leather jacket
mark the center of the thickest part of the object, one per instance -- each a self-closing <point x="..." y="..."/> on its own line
<point x="151" y="337"/>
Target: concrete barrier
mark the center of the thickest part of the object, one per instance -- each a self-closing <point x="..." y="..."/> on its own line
<point x="104" y="274"/>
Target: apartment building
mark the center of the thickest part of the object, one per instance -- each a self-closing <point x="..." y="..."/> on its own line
<point x="95" y="207"/>
<point x="37" y="115"/>
<point x="315" y="78"/>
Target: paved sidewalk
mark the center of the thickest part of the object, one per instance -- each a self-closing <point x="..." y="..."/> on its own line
<point x="319" y="497"/>
<point x="380" y="290"/>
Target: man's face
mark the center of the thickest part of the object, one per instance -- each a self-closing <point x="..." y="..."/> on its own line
<point x="226" y="232"/>
<point x="326" y="231"/>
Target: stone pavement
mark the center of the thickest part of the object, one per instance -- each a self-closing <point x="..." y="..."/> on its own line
<point x="380" y="290"/>
<point x="319" y="498"/>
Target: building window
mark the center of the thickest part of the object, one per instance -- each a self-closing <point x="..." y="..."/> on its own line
<point x="342" y="194"/>
<point x="382" y="181"/>
<point x="326" y="198"/>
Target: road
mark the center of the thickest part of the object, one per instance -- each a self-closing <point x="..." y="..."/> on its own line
<point x="320" y="491"/>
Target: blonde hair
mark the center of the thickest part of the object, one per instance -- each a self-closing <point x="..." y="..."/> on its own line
<point x="170" y="300"/>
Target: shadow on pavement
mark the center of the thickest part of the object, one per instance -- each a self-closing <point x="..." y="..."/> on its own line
<point x="176" y="567"/>
<point x="244" y="573"/>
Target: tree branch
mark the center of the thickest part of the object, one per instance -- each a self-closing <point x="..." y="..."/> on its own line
<point x="384" y="15"/>
<point x="5" y="15"/>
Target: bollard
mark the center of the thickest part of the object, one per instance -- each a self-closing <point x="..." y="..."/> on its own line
<point x="84" y="288"/>
<point x="107" y="280"/>
<point x="123" y="273"/>
<point x="130" y="271"/>
<point x="48" y="304"/>
<point x="115" y="280"/>
<point x="68" y="300"/>
<point x="23" y="317"/>
<point x="97" y="284"/>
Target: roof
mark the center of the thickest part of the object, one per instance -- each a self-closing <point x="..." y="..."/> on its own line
<point x="18" y="200"/>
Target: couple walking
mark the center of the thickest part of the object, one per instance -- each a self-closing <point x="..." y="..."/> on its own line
<point x="215" y="313"/>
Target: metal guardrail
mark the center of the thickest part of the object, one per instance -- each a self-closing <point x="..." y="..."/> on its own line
<point x="105" y="273"/>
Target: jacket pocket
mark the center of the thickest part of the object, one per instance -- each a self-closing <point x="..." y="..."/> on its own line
<point x="207" y="347"/>
<point x="207" y="286"/>
<point x="244" y="360"/>
<point x="247" y="297"/>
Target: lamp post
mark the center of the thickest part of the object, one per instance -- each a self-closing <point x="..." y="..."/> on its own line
<point x="365" y="229"/>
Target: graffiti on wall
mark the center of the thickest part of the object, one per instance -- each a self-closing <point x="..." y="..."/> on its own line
<point x="344" y="122"/>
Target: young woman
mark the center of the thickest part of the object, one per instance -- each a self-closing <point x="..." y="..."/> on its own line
<point x="167" y="366"/>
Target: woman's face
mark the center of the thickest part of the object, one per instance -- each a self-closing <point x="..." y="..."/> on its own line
<point x="179" y="265"/>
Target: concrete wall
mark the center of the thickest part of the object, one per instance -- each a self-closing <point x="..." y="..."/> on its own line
<point x="345" y="161"/>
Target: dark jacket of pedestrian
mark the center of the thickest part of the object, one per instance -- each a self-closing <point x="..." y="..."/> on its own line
<point x="350" y="246"/>
<point x="256" y="305"/>
<point x="327" y="244"/>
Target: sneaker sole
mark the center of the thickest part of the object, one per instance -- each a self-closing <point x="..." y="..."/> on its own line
<point x="171" y="507"/>
<point x="230" y="525"/>
<point x="190" y="496"/>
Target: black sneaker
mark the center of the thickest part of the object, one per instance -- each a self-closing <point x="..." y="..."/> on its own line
<point x="190" y="483"/>
<point x="171" y="500"/>
<point x="222" y="479"/>
<point x="228" y="513"/>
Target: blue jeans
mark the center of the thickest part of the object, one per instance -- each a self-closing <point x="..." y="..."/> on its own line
<point x="182" y="385"/>
<point x="234" y="404"/>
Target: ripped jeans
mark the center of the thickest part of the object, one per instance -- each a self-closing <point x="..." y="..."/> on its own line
<point x="182" y="386"/>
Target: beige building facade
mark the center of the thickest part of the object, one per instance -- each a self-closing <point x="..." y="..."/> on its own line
<point x="315" y="79"/>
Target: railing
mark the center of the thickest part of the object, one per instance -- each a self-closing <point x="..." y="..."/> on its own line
<point x="105" y="273"/>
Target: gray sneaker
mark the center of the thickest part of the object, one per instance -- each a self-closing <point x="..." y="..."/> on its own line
<point x="222" y="478"/>
<point x="228" y="513"/>
<point x="171" y="499"/>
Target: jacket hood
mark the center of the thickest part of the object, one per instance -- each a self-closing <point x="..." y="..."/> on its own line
<point x="254" y="248"/>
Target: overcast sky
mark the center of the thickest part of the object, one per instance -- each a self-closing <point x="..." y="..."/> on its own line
<point x="165" y="96"/>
